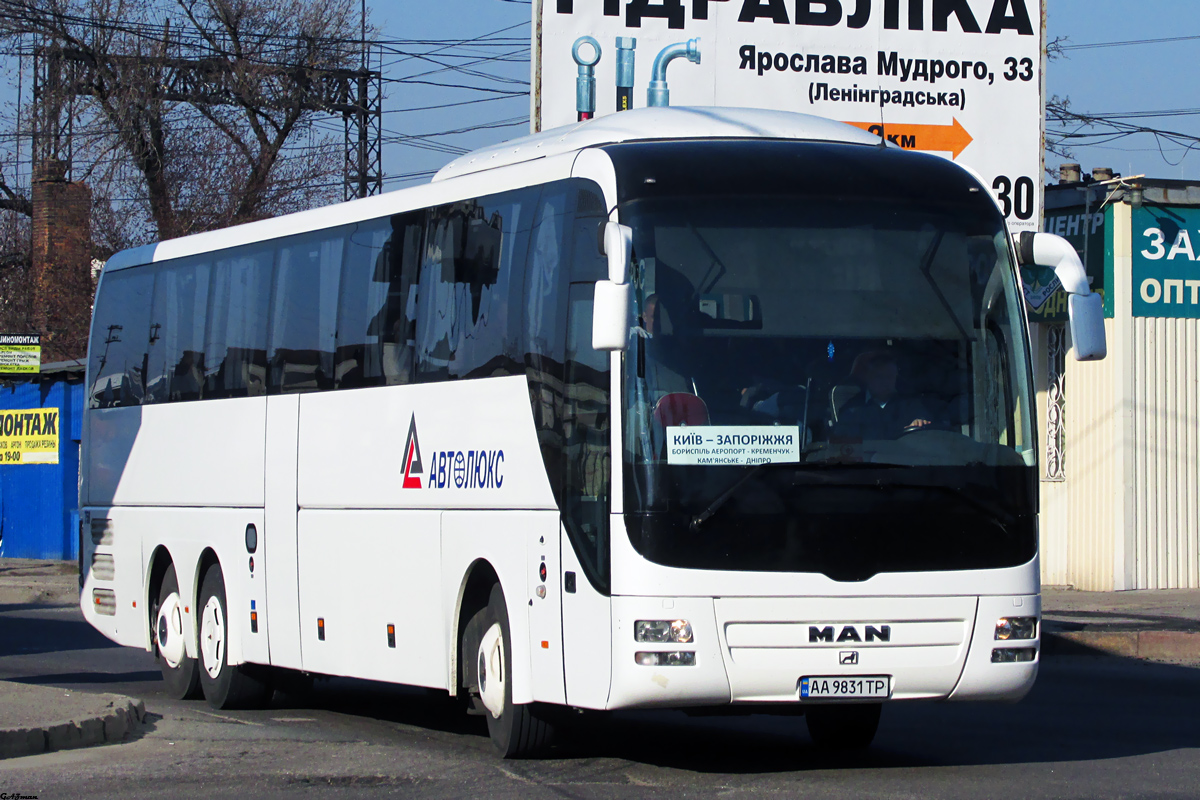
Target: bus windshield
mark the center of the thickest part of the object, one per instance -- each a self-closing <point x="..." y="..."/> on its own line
<point x="831" y="383"/>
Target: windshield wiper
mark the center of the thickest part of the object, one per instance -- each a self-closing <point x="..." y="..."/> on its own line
<point x="995" y="513"/>
<point x="926" y="267"/>
<point x="701" y="288"/>
<point x="724" y="496"/>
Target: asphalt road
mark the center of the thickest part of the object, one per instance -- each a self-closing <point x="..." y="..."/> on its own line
<point x="1093" y="727"/>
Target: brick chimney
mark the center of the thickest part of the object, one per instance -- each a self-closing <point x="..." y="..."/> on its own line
<point x="62" y="279"/>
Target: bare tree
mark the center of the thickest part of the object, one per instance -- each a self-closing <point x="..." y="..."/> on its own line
<point x="15" y="310"/>
<point x="241" y="144"/>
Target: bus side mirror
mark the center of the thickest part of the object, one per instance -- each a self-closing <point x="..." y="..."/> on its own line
<point x="1087" y="326"/>
<point x="610" y="315"/>
<point x="610" y="303"/>
<point x="618" y="246"/>
<point x="1085" y="308"/>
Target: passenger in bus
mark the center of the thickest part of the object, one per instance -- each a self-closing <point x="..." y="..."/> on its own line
<point x="879" y="411"/>
<point x="665" y="358"/>
<point x="646" y="322"/>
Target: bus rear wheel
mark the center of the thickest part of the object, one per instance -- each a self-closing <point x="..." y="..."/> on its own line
<point x="516" y="731"/>
<point x="843" y="727"/>
<point x="181" y="674"/>
<point x="224" y="685"/>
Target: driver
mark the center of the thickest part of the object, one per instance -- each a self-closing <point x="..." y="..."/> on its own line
<point x="879" y="412"/>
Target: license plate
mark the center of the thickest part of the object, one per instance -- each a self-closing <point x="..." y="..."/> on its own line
<point x="838" y="687"/>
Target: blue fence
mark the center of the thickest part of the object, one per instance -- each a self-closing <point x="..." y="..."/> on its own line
<point x="39" y="503"/>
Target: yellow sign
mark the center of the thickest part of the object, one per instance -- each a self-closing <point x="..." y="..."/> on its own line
<point x="29" y="436"/>
<point x="20" y="353"/>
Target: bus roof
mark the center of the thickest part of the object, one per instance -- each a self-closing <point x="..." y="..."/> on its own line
<point x="648" y="124"/>
<point x="645" y="124"/>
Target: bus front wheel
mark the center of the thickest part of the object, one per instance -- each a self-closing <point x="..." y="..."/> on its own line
<point x="516" y="731"/>
<point x="180" y="672"/>
<point x="843" y="727"/>
<point x="225" y="685"/>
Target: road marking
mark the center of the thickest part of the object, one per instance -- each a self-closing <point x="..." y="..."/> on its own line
<point x="231" y="719"/>
<point x="514" y="776"/>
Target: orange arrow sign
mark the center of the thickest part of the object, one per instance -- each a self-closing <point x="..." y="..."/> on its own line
<point x="941" y="138"/>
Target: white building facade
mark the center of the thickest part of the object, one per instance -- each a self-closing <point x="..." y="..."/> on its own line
<point x="1120" y="502"/>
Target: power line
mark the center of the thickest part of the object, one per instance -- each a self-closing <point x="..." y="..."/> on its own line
<point x="1171" y="112"/>
<point x="1116" y="129"/>
<point x="1130" y="43"/>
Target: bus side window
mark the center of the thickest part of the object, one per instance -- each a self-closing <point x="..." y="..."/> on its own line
<point x="435" y="307"/>
<point x="467" y="304"/>
<point x="568" y="380"/>
<point x="586" y="442"/>
<point x="175" y="368"/>
<point x="374" y="336"/>
<point x="121" y="338"/>
<point x="588" y="263"/>
<point x="236" y="341"/>
<point x="496" y="236"/>
<point x="304" y="310"/>
<point x="544" y="330"/>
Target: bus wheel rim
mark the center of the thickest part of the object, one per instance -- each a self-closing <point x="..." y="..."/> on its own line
<point x="212" y="637"/>
<point x="169" y="630"/>
<point x="491" y="670"/>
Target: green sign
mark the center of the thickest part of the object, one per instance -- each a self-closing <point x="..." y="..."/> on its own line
<point x="20" y="353"/>
<point x="1044" y="297"/>
<point x="1166" y="275"/>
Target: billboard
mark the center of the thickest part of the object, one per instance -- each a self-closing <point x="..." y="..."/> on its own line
<point x="960" y="78"/>
<point x="29" y="436"/>
<point x="20" y="353"/>
<point x="1166" y="277"/>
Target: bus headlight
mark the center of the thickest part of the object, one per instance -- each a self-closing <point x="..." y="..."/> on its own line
<point x="679" y="658"/>
<point x="1016" y="628"/>
<point x="662" y="631"/>
<point x="1013" y="655"/>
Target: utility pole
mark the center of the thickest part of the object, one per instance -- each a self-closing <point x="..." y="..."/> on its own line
<point x="62" y="73"/>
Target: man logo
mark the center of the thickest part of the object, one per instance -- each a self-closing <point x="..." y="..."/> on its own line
<point x="848" y="658"/>
<point x="412" y="458"/>
<point x="849" y="633"/>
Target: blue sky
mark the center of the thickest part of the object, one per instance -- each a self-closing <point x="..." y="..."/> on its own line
<point x="506" y="20"/>
<point x="1149" y="77"/>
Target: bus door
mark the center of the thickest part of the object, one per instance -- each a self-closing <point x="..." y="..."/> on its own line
<point x="584" y="500"/>
<point x="279" y="537"/>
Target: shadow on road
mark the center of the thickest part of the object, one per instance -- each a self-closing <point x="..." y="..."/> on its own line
<point x="72" y="678"/>
<point x="8" y="607"/>
<point x="405" y="705"/>
<point x="1082" y="709"/>
<point x="43" y="634"/>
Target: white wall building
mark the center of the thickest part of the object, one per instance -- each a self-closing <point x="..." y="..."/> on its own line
<point x="1120" y="504"/>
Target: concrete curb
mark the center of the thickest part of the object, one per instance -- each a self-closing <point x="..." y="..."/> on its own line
<point x="1171" y="646"/>
<point x="123" y="718"/>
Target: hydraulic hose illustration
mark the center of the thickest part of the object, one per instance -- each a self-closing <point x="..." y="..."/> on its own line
<point x="625" y="51"/>
<point x="585" y="84"/>
<point x="658" y="95"/>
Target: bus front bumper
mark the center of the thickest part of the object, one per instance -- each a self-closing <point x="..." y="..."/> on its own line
<point x="757" y="650"/>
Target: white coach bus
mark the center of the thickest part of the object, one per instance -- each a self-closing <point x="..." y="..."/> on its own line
<point x="682" y="408"/>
